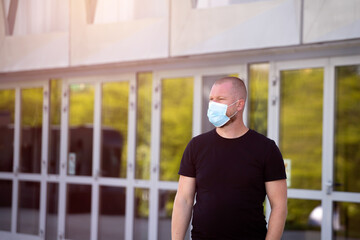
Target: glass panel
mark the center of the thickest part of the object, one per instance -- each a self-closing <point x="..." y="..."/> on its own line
<point x="301" y="126"/>
<point x="208" y="82"/>
<point x="176" y="124"/>
<point x="347" y="129"/>
<point x="141" y="215"/>
<point x="258" y="97"/>
<point x="346" y="221"/>
<point x="143" y="127"/>
<point x="52" y="211"/>
<point x="55" y="119"/>
<point x="303" y="220"/>
<point x="112" y="216"/>
<point x="31" y="130"/>
<point x="78" y="214"/>
<point x="29" y="201"/>
<point x="5" y="205"/>
<point x="166" y="203"/>
<point x="115" y="101"/>
<point x="81" y="119"/>
<point x="7" y="116"/>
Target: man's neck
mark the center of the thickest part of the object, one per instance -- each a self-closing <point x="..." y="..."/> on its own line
<point x="233" y="130"/>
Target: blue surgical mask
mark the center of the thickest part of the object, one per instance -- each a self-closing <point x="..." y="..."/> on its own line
<point x="217" y="113"/>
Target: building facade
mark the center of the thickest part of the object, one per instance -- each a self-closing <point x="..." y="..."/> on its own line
<point x="99" y="98"/>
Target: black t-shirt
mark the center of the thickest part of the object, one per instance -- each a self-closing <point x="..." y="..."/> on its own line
<point x="230" y="183"/>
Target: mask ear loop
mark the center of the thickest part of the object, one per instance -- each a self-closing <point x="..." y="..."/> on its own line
<point x="236" y="111"/>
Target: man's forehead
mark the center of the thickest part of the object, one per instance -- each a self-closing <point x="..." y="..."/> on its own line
<point x="224" y="88"/>
<point x="221" y="91"/>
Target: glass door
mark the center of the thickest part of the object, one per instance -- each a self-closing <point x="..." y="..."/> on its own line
<point x="313" y="116"/>
<point x="345" y="184"/>
<point x="299" y="98"/>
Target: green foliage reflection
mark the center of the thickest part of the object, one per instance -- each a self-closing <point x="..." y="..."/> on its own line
<point x="299" y="212"/>
<point x="7" y="117"/>
<point x="258" y="97"/>
<point x="115" y="101"/>
<point x="301" y="125"/>
<point x="347" y="130"/>
<point x="176" y="124"/>
<point x="7" y="106"/>
<point x="349" y="220"/>
<point x="81" y="105"/>
<point x="31" y="107"/>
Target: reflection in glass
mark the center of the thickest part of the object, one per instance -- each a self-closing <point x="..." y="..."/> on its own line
<point x="5" y="205"/>
<point x="115" y="101"/>
<point x="52" y="211"/>
<point x="303" y="220"/>
<point x="29" y="201"/>
<point x="112" y="213"/>
<point x="54" y="134"/>
<point x="166" y="203"/>
<point x="81" y="119"/>
<point x="301" y="107"/>
<point x="143" y="126"/>
<point x="141" y="214"/>
<point x="31" y="130"/>
<point x="258" y="97"/>
<point x="346" y="221"/>
<point x="347" y="129"/>
<point x="7" y="116"/>
<point x="176" y="124"/>
<point x="78" y="213"/>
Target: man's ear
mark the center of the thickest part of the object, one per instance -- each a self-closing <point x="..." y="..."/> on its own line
<point x="241" y="104"/>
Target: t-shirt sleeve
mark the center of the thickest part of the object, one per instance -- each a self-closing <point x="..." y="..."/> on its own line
<point x="274" y="164"/>
<point x="187" y="167"/>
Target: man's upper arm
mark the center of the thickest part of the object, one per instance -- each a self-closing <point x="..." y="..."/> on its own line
<point x="277" y="193"/>
<point x="186" y="188"/>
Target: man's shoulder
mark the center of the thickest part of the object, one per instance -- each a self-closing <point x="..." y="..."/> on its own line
<point x="204" y="137"/>
<point x="259" y="137"/>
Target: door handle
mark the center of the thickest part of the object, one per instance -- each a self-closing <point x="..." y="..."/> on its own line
<point x="330" y="186"/>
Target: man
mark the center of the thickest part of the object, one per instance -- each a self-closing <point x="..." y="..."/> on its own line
<point x="231" y="169"/>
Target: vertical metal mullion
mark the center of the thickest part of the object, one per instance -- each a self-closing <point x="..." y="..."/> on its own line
<point x="63" y="158"/>
<point x="96" y="161"/>
<point x="273" y="113"/>
<point x="17" y="136"/>
<point x="197" y="105"/>
<point x="243" y="74"/>
<point x="328" y="149"/>
<point x="155" y="156"/>
<point x="129" y="212"/>
<point x="129" y="216"/>
<point x="274" y="103"/>
<point x="44" y="157"/>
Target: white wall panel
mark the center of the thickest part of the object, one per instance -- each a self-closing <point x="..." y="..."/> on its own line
<point x="138" y="39"/>
<point x="249" y="25"/>
<point x="331" y="20"/>
<point x="32" y="51"/>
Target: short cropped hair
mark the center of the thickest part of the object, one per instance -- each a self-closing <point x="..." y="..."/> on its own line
<point x="239" y="88"/>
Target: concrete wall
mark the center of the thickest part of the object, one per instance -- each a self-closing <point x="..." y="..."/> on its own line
<point x="179" y="29"/>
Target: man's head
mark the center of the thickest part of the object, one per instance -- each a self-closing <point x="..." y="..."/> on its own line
<point x="238" y="89"/>
<point x="230" y="91"/>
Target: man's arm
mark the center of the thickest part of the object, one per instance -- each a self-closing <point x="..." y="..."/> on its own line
<point x="277" y="194"/>
<point x="182" y="210"/>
